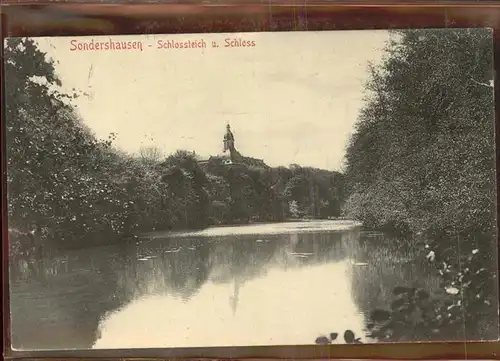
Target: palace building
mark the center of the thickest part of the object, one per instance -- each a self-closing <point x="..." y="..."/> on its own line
<point x="231" y="156"/>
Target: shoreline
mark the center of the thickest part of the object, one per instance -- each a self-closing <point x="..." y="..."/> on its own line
<point x="15" y="234"/>
<point x="253" y="228"/>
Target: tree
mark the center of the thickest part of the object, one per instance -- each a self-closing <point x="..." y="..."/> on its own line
<point x="187" y="184"/>
<point x="425" y="127"/>
<point x="51" y="156"/>
<point x="294" y="209"/>
<point x="151" y="154"/>
<point x="75" y="189"/>
<point x="422" y="159"/>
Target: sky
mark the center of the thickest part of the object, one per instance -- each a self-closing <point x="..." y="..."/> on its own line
<point x="294" y="97"/>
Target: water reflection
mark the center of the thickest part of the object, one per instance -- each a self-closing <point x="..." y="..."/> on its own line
<point x="281" y="308"/>
<point x="384" y="263"/>
<point x="61" y="295"/>
<point x="197" y="290"/>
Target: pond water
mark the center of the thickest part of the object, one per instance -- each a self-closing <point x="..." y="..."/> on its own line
<point x="274" y="284"/>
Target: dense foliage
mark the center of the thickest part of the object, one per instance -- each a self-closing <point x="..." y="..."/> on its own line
<point x="422" y="162"/>
<point x="66" y="186"/>
<point x="422" y="157"/>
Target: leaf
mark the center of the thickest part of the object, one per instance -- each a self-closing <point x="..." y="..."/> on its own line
<point x="333" y="336"/>
<point x="380" y="315"/>
<point x="422" y="295"/>
<point x="401" y="290"/>
<point x="408" y="308"/>
<point x="349" y="336"/>
<point x="322" y="340"/>
<point x="397" y="303"/>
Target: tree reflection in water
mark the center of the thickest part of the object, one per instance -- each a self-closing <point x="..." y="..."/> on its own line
<point x="341" y="274"/>
<point x="62" y="294"/>
<point x="273" y="272"/>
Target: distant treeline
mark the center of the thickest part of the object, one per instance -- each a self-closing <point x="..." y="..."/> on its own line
<point x="64" y="185"/>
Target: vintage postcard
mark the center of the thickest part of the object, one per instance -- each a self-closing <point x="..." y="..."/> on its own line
<point x="249" y="189"/>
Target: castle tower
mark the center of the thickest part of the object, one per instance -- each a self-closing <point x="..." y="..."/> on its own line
<point x="229" y="144"/>
<point x="231" y="156"/>
<point x="228" y="139"/>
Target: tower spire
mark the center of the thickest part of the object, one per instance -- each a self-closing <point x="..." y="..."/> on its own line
<point x="228" y="139"/>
